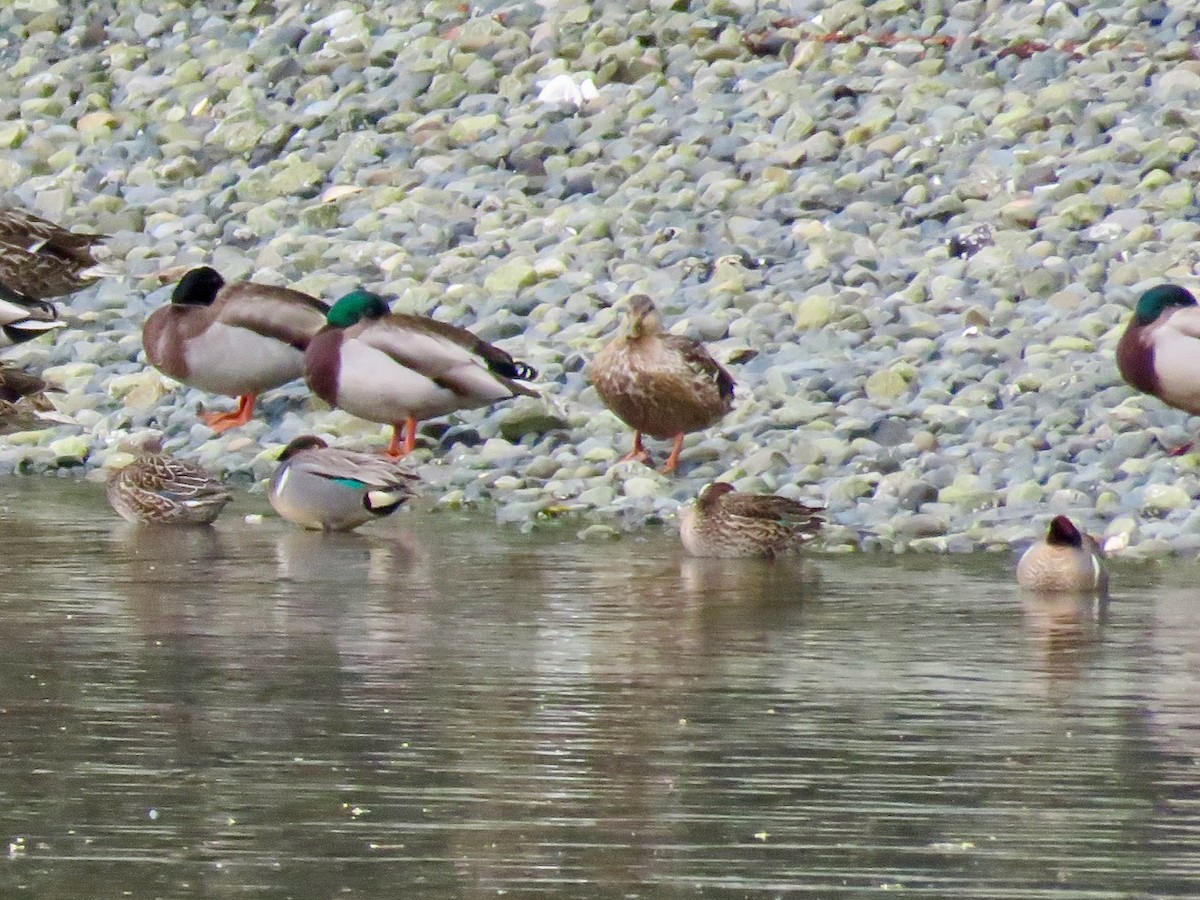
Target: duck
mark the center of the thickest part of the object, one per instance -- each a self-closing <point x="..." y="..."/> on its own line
<point x="42" y="260"/>
<point x="398" y="369"/>
<point x="157" y="488"/>
<point x="661" y="384"/>
<point x="332" y="489"/>
<point x="16" y="384"/>
<point x="1066" y="561"/>
<point x="23" y="318"/>
<point x="1159" y="352"/>
<point x="235" y="339"/>
<point x="724" y="522"/>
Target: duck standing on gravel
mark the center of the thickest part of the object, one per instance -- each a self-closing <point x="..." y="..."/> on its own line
<point x="1066" y="561"/>
<point x="724" y="522"/>
<point x="330" y="489"/>
<point x="398" y="369"/>
<point x="40" y="260"/>
<point x="661" y="384"/>
<point x="157" y="488"/>
<point x="1159" y="353"/>
<point x="238" y="339"/>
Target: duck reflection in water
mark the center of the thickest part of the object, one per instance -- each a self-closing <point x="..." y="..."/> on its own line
<point x="348" y="557"/>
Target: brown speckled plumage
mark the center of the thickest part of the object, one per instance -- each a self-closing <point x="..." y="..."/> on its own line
<point x="1066" y="561"/>
<point x="660" y="384"/>
<point x="162" y="489"/>
<point x="726" y="523"/>
<point x="40" y="259"/>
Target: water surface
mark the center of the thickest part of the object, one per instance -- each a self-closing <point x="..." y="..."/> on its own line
<point x="438" y="707"/>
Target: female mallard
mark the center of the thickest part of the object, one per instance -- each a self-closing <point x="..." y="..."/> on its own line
<point x="398" y="369"/>
<point x="238" y="339"/>
<point x="1067" y="561"/>
<point x="660" y="384"/>
<point x="41" y="260"/>
<point x="725" y="523"/>
<point x="160" y="489"/>
<point x="327" y="488"/>
<point x="1159" y="353"/>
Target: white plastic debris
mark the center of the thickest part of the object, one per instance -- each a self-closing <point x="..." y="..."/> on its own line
<point x="562" y="89"/>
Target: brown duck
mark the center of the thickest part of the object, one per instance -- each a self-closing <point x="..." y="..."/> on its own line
<point x="661" y="384"/>
<point x="39" y="259"/>
<point x="1067" y="561"/>
<point x="726" y="523"/>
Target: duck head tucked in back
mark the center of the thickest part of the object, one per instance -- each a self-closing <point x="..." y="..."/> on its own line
<point x="1159" y="353"/>
<point x="724" y="522"/>
<point x="397" y="369"/>
<point x="332" y="489"/>
<point x="235" y="339"/>
<point x="1065" y="561"/>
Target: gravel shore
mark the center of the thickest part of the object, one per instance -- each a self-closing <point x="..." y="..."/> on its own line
<point x="787" y="181"/>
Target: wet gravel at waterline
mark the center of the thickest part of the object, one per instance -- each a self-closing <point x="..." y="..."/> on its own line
<point x="912" y="232"/>
<point x="435" y="705"/>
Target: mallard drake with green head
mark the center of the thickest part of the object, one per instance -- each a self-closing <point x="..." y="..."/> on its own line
<point x="661" y="384"/>
<point x="235" y="339"/>
<point x="41" y="260"/>
<point x="724" y="522"/>
<point x="330" y="489"/>
<point x="1067" y="561"/>
<point x="398" y="369"/>
<point x="157" y="488"/>
<point x="1159" y="353"/>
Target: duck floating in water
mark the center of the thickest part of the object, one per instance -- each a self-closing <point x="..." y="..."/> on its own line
<point x="235" y="339"/>
<point x="157" y="488"/>
<point x="1066" y="561"/>
<point x="661" y="384"/>
<point x="330" y="489"/>
<point x="397" y="369"/>
<point x="40" y="260"/>
<point x="724" y="522"/>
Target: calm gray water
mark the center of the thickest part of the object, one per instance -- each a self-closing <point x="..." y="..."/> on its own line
<point x="437" y="707"/>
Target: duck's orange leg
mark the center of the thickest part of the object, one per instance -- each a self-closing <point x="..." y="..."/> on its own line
<point x="673" y="459"/>
<point x="395" y="449"/>
<point x="639" y="452"/>
<point x="221" y="422"/>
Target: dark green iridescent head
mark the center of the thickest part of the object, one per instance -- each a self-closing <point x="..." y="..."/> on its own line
<point x="1160" y="298"/>
<point x="356" y="306"/>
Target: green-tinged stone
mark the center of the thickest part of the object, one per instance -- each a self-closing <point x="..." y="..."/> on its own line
<point x="468" y="129"/>
<point x="29" y="438"/>
<point x="967" y="490"/>
<point x="533" y="418"/>
<point x="1027" y="493"/>
<point x="886" y="385"/>
<point x="1072" y="344"/>
<point x="641" y="486"/>
<point x="12" y="134"/>
<point x="72" y="449"/>
<point x="295" y="175"/>
<point x="599" y="533"/>
<point x="815" y="311"/>
<point x="1165" y="498"/>
<point x="510" y="276"/>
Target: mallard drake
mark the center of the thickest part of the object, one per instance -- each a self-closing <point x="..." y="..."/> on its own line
<point x="724" y="522"/>
<point x="1159" y="353"/>
<point x="331" y="489"/>
<point x="1067" y="561"/>
<point x="238" y="339"/>
<point x="23" y="319"/>
<point x="660" y="384"/>
<point x="41" y="260"/>
<point x="160" y="489"/>
<point x="398" y="369"/>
